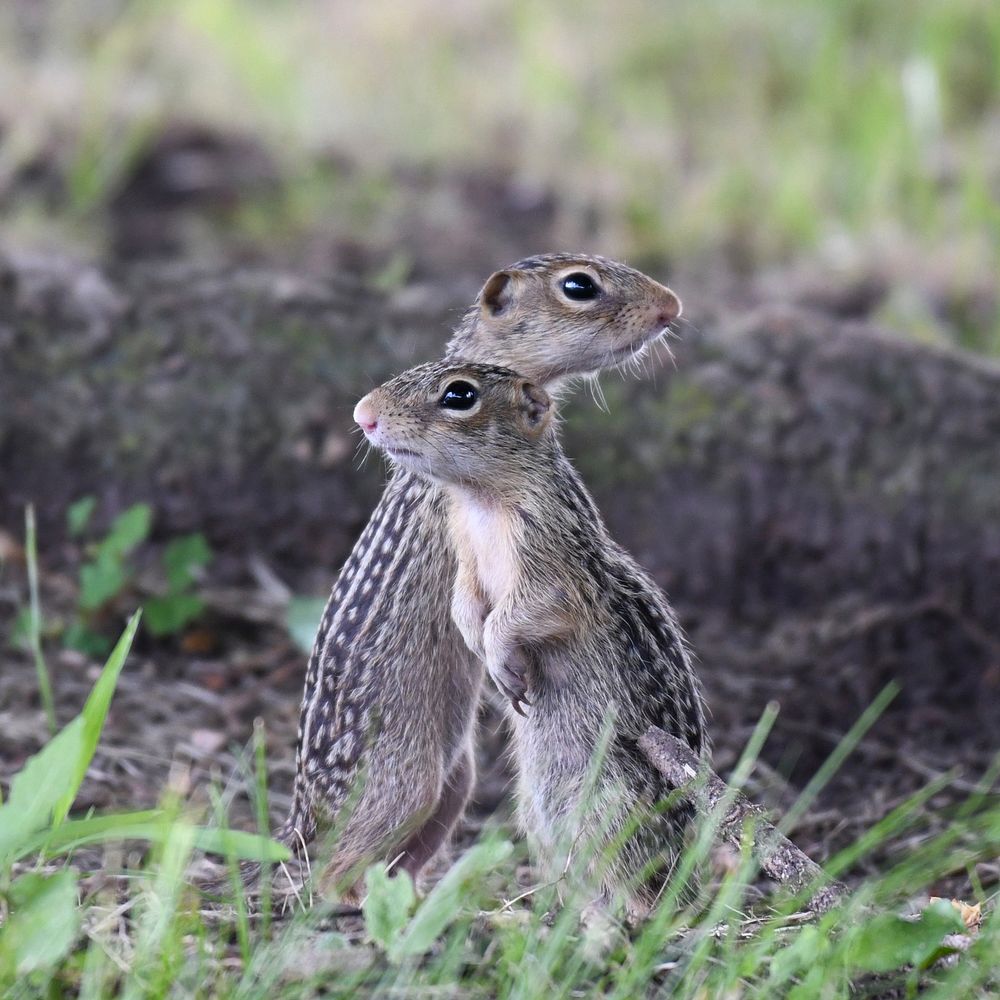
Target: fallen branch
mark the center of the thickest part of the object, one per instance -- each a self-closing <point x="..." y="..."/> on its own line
<point x="774" y="852"/>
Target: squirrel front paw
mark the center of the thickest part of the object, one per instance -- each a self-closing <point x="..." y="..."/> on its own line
<point x="510" y="677"/>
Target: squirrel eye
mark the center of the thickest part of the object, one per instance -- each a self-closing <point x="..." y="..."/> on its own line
<point x="459" y="395"/>
<point x="580" y="287"/>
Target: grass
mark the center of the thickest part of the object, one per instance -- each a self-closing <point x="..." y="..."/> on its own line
<point x="155" y="938"/>
<point x="754" y="130"/>
<point x="142" y="930"/>
<point x="35" y="621"/>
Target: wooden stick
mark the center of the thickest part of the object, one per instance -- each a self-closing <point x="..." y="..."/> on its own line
<point x="705" y="790"/>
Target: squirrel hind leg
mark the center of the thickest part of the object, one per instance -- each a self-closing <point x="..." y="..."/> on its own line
<point x="428" y="839"/>
<point x="380" y="826"/>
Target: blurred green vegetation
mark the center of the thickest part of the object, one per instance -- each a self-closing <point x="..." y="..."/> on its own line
<point x="107" y="574"/>
<point x="475" y="932"/>
<point x="767" y="125"/>
<point x="753" y="130"/>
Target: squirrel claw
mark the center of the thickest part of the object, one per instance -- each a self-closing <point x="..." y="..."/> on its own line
<point x="510" y="678"/>
<point x="513" y="687"/>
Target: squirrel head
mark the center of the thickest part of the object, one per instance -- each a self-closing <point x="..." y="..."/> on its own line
<point x="556" y="316"/>
<point x="478" y="425"/>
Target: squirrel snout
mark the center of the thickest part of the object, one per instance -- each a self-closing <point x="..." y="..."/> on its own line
<point x="366" y="416"/>
<point x="670" y="308"/>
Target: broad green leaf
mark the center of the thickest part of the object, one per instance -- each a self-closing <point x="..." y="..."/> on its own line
<point x="43" y="923"/>
<point x="168" y="615"/>
<point x="101" y="580"/>
<point x="444" y="903"/>
<point x="388" y="905"/>
<point x="181" y="557"/>
<point x="302" y="620"/>
<point x="45" y="787"/>
<point x="45" y="780"/>
<point x="888" y="942"/>
<point x="128" y="529"/>
<point x="94" y="713"/>
<point x="78" y="515"/>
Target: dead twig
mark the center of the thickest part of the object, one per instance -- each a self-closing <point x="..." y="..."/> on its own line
<point x="705" y="790"/>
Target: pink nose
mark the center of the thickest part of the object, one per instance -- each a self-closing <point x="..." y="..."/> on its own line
<point x="365" y="415"/>
<point x="670" y="308"/>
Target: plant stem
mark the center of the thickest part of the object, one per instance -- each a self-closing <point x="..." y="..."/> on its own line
<point x="35" y="621"/>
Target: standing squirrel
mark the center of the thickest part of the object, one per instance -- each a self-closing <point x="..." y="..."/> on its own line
<point x="391" y="691"/>
<point x="566" y="621"/>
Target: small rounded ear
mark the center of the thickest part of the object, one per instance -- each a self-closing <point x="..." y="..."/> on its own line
<point x="536" y="408"/>
<point x="497" y="295"/>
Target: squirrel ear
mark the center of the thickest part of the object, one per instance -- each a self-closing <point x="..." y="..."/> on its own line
<point x="497" y="295"/>
<point x="536" y="408"/>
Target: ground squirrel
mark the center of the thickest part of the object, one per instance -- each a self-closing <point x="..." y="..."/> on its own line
<point x="391" y="689"/>
<point x="565" y="620"/>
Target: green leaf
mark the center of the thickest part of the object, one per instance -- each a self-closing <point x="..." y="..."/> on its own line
<point x="129" y="529"/>
<point x="43" y="923"/>
<point x="78" y="515"/>
<point x="155" y="826"/>
<point x="302" y="620"/>
<point x="45" y="787"/>
<point x="888" y="942"/>
<point x="95" y="711"/>
<point x="85" y="640"/>
<point x="45" y="780"/>
<point x="181" y="557"/>
<point x="146" y="824"/>
<point x="239" y="844"/>
<point x="101" y="580"/>
<point x="388" y="905"/>
<point x="811" y="986"/>
<point x="806" y="948"/>
<point x="168" y="615"/>
<point x="444" y="903"/>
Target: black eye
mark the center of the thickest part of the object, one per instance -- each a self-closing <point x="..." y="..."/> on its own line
<point x="459" y="395"/>
<point x="580" y="287"/>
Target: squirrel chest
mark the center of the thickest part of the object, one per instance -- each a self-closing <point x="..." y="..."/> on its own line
<point x="486" y="540"/>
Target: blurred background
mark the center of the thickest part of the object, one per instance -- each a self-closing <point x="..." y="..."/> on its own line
<point x="401" y="138"/>
<point x="223" y="221"/>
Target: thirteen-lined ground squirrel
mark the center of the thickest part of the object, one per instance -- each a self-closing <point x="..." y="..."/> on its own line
<point x="391" y="689"/>
<point x="565" y="620"/>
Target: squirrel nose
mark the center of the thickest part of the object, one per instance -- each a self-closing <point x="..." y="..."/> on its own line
<point x="670" y="308"/>
<point x="365" y="416"/>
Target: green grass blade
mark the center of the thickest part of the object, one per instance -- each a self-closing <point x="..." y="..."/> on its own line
<point x="840" y="753"/>
<point x="94" y="713"/>
<point x="151" y="825"/>
<point x="35" y="620"/>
